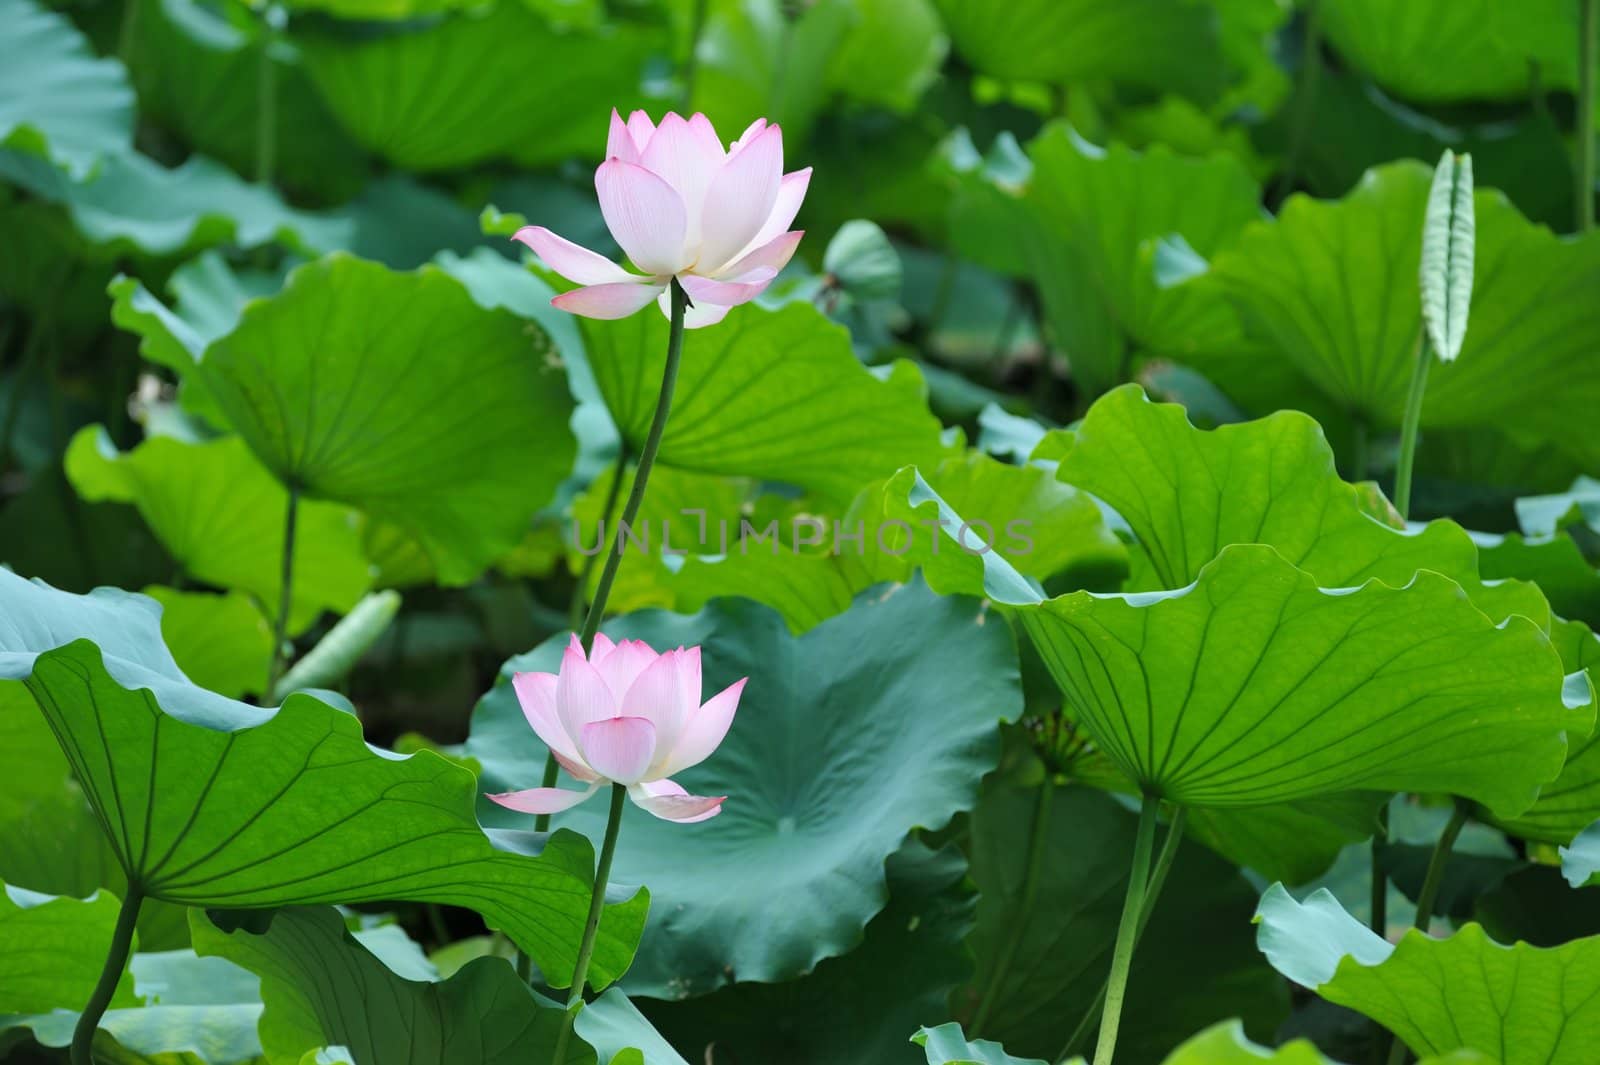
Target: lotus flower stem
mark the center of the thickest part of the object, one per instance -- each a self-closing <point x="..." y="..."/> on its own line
<point x="280" y="625"/>
<point x="1169" y="850"/>
<point x="116" y="961"/>
<point x="541" y="823"/>
<point x="1127" y="931"/>
<point x="1409" y="426"/>
<point x="647" y="460"/>
<point x="1430" y="893"/>
<point x="1305" y="99"/>
<point x="1588" y="29"/>
<point x="597" y="903"/>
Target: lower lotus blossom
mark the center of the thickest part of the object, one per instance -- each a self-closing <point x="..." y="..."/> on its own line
<point x="682" y="206"/>
<point x="624" y="715"/>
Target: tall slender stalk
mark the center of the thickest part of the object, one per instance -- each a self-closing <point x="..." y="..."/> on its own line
<point x="647" y="461"/>
<point x="1169" y="850"/>
<point x="597" y="607"/>
<point x="541" y="822"/>
<point x="591" y="927"/>
<point x="1587" y="32"/>
<point x="1127" y="931"/>
<point x="116" y="961"/>
<point x="1429" y="895"/>
<point x="1410" y="425"/>
<point x="1038" y="835"/>
<point x="280" y="625"/>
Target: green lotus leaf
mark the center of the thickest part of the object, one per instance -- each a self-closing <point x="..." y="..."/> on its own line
<point x="1435" y="51"/>
<point x="1312" y="691"/>
<point x="210" y="802"/>
<point x="1184" y="47"/>
<point x="1101" y="214"/>
<point x="1330" y="289"/>
<point x="185" y="1010"/>
<point x="825" y="776"/>
<point x="220" y="515"/>
<point x="617" y="1030"/>
<point x="1352" y="125"/>
<point x="397" y="394"/>
<point x="1187" y="493"/>
<point x="947" y="1044"/>
<point x="221" y="642"/>
<point x="1580" y="862"/>
<point x="994" y="520"/>
<point x="1572" y="801"/>
<point x="320" y="986"/>
<point x="761" y="60"/>
<point x="1555" y="563"/>
<point x="1226" y="1044"/>
<point x="198" y="75"/>
<point x="1546" y="515"/>
<point x="438" y="94"/>
<point x="808" y="566"/>
<point x="58" y="100"/>
<point x="856" y="1008"/>
<point x="1041" y="966"/>
<point x="777" y="395"/>
<point x="52" y="950"/>
<point x="132" y="204"/>
<point x="1517" y="1005"/>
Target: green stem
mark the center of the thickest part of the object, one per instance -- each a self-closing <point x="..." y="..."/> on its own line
<point x="597" y="903"/>
<point x="1589" y="16"/>
<point x="1441" y="857"/>
<point x="1430" y="894"/>
<point x="267" y="102"/>
<point x="1408" y="427"/>
<point x="1039" y="833"/>
<point x="1305" y="101"/>
<point x="280" y="626"/>
<point x="541" y="822"/>
<point x="116" y="962"/>
<point x="647" y="460"/>
<point x="1127" y="931"/>
<point x="1169" y="850"/>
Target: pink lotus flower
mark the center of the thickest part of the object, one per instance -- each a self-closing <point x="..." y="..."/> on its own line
<point x="624" y="715"/>
<point x="680" y="206"/>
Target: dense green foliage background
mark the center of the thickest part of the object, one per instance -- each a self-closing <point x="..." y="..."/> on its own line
<point x="255" y="252"/>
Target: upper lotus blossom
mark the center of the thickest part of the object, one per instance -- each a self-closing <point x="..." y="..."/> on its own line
<point x="680" y="205"/>
<point x="628" y="716"/>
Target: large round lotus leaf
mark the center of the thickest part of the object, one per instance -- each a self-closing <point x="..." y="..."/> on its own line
<point x="1438" y="51"/>
<point x="778" y="395"/>
<point x="1095" y="217"/>
<point x="211" y="802"/>
<point x="57" y="98"/>
<point x="322" y="987"/>
<point x="1331" y="287"/>
<point x="397" y="394"/>
<point x="1253" y="686"/>
<point x="1522" y="1005"/>
<point x="220" y="516"/>
<point x="875" y="722"/>
<point x="438" y="94"/>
